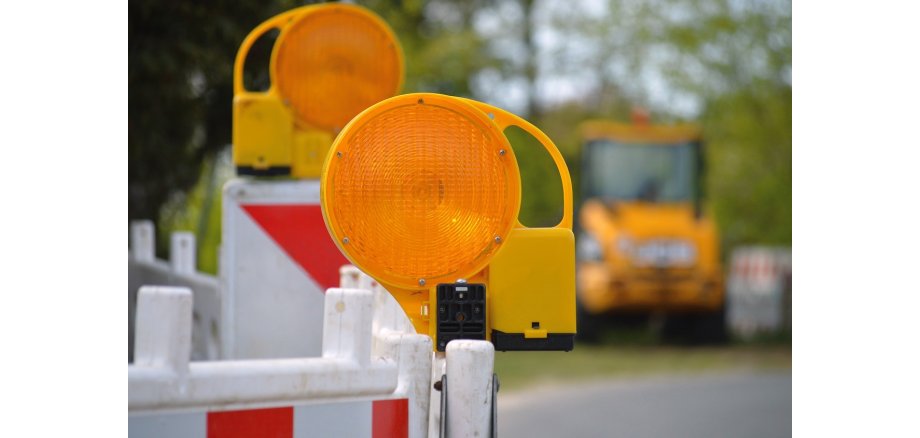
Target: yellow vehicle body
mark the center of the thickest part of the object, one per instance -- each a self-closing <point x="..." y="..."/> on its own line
<point x="618" y="283"/>
<point x="659" y="255"/>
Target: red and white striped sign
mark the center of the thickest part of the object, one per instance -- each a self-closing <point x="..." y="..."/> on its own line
<point x="375" y="419"/>
<point x="277" y="261"/>
<point x="300" y="231"/>
<point x="759" y="294"/>
<point x="758" y="269"/>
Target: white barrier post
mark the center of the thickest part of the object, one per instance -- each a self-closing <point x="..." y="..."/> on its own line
<point x="143" y="243"/>
<point x="182" y="252"/>
<point x="164" y="328"/>
<point x="414" y="353"/>
<point x="348" y="276"/>
<point x="470" y="367"/>
<point x="348" y="335"/>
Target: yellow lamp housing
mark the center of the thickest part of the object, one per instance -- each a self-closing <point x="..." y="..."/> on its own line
<point x="422" y="192"/>
<point x="328" y="63"/>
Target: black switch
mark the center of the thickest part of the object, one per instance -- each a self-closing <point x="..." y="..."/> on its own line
<point x="461" y="312"/>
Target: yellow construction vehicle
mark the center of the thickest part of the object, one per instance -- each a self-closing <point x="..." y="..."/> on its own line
<point x="644" y="246"/>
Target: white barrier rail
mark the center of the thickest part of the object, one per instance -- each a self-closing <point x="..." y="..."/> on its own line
<point x="162" y="378"/>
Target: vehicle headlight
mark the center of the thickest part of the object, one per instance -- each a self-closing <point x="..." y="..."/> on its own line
<point x="683" y="253"/>
<point x="588" y="248"/>
<point x="665" y="253"/>
<point x="624" y="245"/>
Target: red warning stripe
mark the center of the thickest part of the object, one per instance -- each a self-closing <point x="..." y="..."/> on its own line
<point x="390" y="418"/>
<point x="300" y="231"/>
<point x="266" y="423"/>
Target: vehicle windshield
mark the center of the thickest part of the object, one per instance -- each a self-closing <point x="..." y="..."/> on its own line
<point x="644" y="172"/>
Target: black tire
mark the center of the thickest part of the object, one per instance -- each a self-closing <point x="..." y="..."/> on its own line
<point x="589" y="325"/>
<point x="710" y="328"/>
<point x="695" y="328"/>
<point x="677" y="329"/>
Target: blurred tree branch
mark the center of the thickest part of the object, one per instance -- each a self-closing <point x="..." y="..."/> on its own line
<point x="180" y="60"/>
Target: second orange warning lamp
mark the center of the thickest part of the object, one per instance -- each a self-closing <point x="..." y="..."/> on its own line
<point x="328" y="63"/>
<point x="420" y="191"/>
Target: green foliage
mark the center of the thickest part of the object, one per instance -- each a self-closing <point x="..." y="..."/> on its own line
<point x="541" y="185"/>
<point x="442" y="51"/>
<point x="722" y="63"/>
<point x="180" y="94"/>
<point x="731" y="60"/>
<point x="750" y="155"/>
<point x="180" y="59"/>
<point x="199" y="210"/>
<point x="735" y="58"/>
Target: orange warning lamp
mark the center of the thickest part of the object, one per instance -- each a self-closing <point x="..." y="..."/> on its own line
<point x="328" y="63"/>
<point x="422" y="192"/>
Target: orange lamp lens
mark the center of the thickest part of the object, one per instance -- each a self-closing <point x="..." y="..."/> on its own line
<point x="334" y="62"/>
<point x="421" y="189"/>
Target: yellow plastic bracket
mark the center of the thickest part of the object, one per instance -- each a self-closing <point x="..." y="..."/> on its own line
<point x="532" y="279"/>
<point x="503" y="119"/>
<point x="277" y="22"/>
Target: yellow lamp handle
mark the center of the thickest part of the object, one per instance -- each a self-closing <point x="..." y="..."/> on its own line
<point x="505" y="119"/>
<point x="276" y="22"/>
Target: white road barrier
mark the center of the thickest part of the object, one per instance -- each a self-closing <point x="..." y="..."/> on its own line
<point x="759" y="296"/>
<point x="390" y="382"/>
<point x="300" y="357"/>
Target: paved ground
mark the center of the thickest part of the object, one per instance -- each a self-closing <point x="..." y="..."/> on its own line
<point x="749" y="404"/>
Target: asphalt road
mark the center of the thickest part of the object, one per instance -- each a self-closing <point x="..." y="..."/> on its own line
<point x="756" y="404"/>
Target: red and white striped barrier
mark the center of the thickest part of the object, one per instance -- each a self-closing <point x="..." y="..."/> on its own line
<point x="353" y="388"/>
<point x="759" y="268"/>
<point x="277" y="260"/>
<point x="305" y="359"/>
<point x="759" y="297"/>
<point x="376" y="419"/>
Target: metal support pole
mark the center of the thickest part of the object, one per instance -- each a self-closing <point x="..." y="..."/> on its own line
<point x="437" y="392"/>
